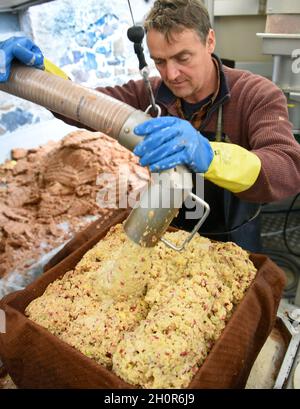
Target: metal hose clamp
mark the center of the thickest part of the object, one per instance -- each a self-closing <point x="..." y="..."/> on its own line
<point x="156" y="107"/>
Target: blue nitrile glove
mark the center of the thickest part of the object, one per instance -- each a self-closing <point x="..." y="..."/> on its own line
<point x="22" y="49"/>
<point x="170" y="141"/>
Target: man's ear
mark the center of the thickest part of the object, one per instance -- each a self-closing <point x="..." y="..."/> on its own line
<point x="211" y="41"/>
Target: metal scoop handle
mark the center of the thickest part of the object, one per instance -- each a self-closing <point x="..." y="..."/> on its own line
<point x="195" y="229"/>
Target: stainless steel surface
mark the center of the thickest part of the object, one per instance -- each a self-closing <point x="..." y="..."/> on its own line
<point x="127" y="137"/>
<point x="283" y="7"/>
<point x="263" y="68"/>
<point x="289" y="82"/>
<point x="269" y="360"/>
<point x="294" y="110"/>
<point x="158" y="206"/>
<point x="295" y="96"/>
<point x="287" y="364"/>
<point x="283" y="74"/>
<point x="239" y="8"/>
<point x="145" y="226"/>
<point x="290" y="315"/>
<point x="279" y="44"/>
<point x="275" y="365"/>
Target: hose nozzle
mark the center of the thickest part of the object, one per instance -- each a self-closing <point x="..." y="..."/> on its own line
<point x="159" y="205"/>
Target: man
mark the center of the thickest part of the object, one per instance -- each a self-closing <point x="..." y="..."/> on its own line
<point x="230" y="125"/>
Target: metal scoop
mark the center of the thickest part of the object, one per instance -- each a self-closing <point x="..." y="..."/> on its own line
<point x="158" y="206"/>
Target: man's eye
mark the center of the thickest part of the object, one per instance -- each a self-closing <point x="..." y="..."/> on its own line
<point x="184" y="59"/>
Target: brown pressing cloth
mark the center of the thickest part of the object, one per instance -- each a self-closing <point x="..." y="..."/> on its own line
<point x="35" y="358"/>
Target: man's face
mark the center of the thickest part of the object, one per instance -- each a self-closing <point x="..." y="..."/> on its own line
<point x="185" y="63"/>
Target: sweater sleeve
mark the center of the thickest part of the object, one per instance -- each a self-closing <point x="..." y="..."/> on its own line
<point x="270" y="137"/>
<point x="132" y="93"/>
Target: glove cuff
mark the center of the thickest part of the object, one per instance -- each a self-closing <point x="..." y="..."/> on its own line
<point x="233" y="167"/>
<point x="53" y="69"/>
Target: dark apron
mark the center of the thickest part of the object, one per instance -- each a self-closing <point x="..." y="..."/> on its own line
<point x="230" y="218"/>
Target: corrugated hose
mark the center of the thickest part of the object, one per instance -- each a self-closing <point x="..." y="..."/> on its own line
<point x="87" y="106"/>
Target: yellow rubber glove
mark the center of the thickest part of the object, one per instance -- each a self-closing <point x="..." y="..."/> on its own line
<point x="24" y="50"/>
<point x="53" y="69"/>
<point x="234" y="168"/>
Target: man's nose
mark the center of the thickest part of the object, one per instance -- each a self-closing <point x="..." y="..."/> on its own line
<point x="172" y="71"/>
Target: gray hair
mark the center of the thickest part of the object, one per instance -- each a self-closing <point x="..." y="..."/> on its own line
<point x="169" y="16"/>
